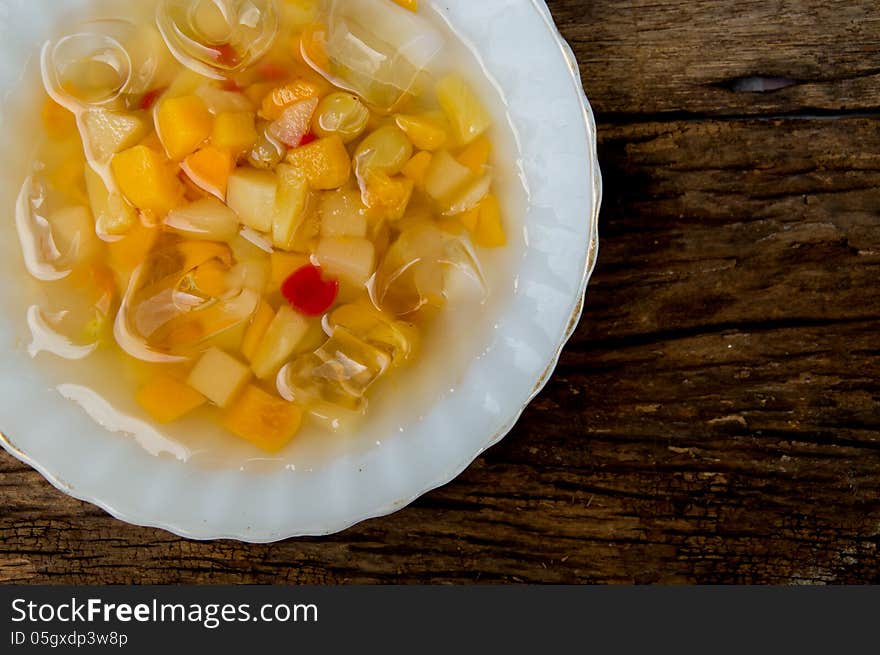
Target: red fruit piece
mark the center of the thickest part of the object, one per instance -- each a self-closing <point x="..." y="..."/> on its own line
<point x="308" y="292"/>
<point x="307" y="139"/>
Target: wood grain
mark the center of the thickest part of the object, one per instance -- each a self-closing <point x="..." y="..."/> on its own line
<point x="716" y="417"/>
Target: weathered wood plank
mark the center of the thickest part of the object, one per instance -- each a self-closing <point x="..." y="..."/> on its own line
<point x="716" y="417"/>
<point x="696" y="56"/>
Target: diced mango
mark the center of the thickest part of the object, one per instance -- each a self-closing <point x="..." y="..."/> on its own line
<point x="145" y="177"/>
<point x="196" y="253"/>
<point x="466" y="114"/>
<point x="211" y="279"/>
<point x="387" y="197"/>
<point x="277" y="100"/>
<point x="425" y="132"/>
<point x="219" y="377"/>
<point x="251" y="194"/>
<point x="235" y="132"/>
<point x="257" y="330"/>
<point x="129" y="252"/>
<point x="168" y="400"/>
<point x="476" y="155"/>
<point x="325" y="163"/>
<point x="268" y="422"/>
<point x="412" y="5"/>
<point x="58" y="122"/>
<point x="183" y="123"/>
<point x="416" y="169"/>
<point x="285" y="264"/>
<point x="485" y="225"/>
<point x="209" y="169"/>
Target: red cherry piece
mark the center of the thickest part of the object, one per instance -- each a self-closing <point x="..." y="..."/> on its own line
<point x="307" y="139"/>
<point x="226" y="55"/>
<point x="308" y="292"/>
<point x="150" y="98"/>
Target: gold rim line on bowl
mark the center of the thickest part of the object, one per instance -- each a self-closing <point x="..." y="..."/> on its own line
<point x="571" y="326"/>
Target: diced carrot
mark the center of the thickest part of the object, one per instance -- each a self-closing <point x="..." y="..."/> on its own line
<point x="168" y="400"/>
<point x="266" y="421"/>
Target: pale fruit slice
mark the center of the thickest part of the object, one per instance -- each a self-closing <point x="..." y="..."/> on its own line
<point x="106" y="133"/>
<point x="207" y="220"/>
<point x="219" y="377"/>
<point x="285" y="333"/>
<point x="251" y="195"/>
<point x="290" y="206"/>
<point x="466" y="113"/>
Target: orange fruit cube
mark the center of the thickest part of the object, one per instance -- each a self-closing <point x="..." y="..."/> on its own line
<point x="209" y="169"/>
<point x="267" y="421"/>
<point x="147" y="180"/>
<point x="325" y="163"/>
<point x="183" y="124"/>
<point x="168" y="400"/>
<point x="235" y="132"/>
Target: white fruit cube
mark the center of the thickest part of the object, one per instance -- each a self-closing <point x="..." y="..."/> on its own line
<point x="251" y="195"/>
<point x="219" y="377"/>
<point x="350" y="259"/>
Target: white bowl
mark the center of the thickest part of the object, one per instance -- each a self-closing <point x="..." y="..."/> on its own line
<point x="536" y="72"/>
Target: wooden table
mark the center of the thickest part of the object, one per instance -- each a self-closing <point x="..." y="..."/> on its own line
<point x="717" y="415"/>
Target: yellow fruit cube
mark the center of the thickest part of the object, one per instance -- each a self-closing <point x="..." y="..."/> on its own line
<point x="58" y="122"/>
<point x="129" y="252"/>
<point x="183" y="124"/>
<point x="168" y="400"/>
<point x="235" y="132"/>
<point x="386" y="196"/>
<point x="476" y="155"/>
<point x="416" y="169"/>
<point x="285" y="264"/>
<point x="266" y="421"/>
<point x="464" y="110"/>
<point x="147" y="180"/>
<point x="259" y="324"/>
<point x="325" y="163"/>
<point x="425" y="132"/>
<point x="209" y="169"/>
<point x="412" y="5"/>
<point x="485" y="225"/>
